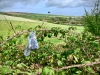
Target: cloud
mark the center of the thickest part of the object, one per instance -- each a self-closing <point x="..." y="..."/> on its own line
<point x="70" y="3"/>
<point x="6" y="4"/>
<point x="11" y="3"/>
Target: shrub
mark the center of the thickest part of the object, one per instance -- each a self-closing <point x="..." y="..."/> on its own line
<point x="92" y="20"/>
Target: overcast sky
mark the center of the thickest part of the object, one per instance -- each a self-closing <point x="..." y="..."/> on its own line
<point x="59" y="7"/>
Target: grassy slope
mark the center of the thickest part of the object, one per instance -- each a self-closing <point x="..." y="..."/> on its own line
<point x="26" y="24"/>
<point x="34" y="16"/>
<point x="15" y="18"/>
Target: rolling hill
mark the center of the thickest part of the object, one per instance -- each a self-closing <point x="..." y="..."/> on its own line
<point x="2" y="17"/>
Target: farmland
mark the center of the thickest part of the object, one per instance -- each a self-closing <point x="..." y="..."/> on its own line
<point x="55" y="19"/>
<point x="27" y="23"/>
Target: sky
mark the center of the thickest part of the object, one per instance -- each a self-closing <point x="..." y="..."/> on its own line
<point x="57" y="7"/>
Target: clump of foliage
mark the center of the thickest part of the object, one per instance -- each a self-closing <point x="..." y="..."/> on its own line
<point x="79" y="48"/>
<point x="92" y="20"/>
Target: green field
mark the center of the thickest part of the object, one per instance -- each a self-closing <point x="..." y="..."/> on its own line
<point x="26" y="24"/>
<point x="2" y="17"/>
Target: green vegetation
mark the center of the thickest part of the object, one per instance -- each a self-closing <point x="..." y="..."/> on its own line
<point x="56" y="19"/>
<point x="79" y="48"/>
<point x="65" y="20"/>
<point x="15" y="18"/>
<point x="92" y="20"/>
<point x="26" y="24"/>
<point x="63" y="50"/>
<point x="33" y="16"/>
<point x="5" y="28"/>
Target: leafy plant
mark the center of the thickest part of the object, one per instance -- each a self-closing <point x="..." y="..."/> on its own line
<point x="92" y="20"/>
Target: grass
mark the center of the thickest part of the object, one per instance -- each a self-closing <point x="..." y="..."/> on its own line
<point x="32" y="16"/>
<point x="5" y="28"/>
<point x="50" y="25"/>
<point x="15" y="18"/>
<point x="25" y="24"/>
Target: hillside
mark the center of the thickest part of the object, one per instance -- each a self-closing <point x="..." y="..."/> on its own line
<point x="27" y="23"/>
<point x="56" y="19"/>
<point x="2" y="17"/>
<point x="33" y="16"/>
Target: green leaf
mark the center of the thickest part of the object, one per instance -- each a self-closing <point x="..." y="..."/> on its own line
<point x="48" y="71"/>
<point x="58" y="56"/>
<point x="76" y="59"/>
<point x="56" y="34"/>
<point x="90" y="70"/>
<point x="78" y="72"/>
<point x="96" y="44"/>
<point x="51" y="72"/>
<point x="68" y="52"/>
<point x="42" y="38"/>
<point x="45" y="34"/>
<point x="49" y="35"/>
<point x="40" y="70"/>
<point x="9" y="62"/>
<point x="1" y="37"/>
<point x="59" y="63"/>
<point x="14" y="41"/>
<point x="22" y="72"/>
<point x="85" y="62"/>
<point x="4" y="70"/>
<point x="5" y="53"/>
<point x="45" y="71"/>
<point x="19" y="71"/>
<point x="0" y="66"/>
<point x="19" y="41"/>
<point x="19" y="65"/>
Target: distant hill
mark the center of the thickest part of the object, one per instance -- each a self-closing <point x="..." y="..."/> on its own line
<point x="56" y="19"/>
<point x="33" y="16"/>
<point x="2" y="17"/>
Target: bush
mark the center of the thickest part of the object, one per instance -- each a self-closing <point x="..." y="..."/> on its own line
<point x="92" y="20"/>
